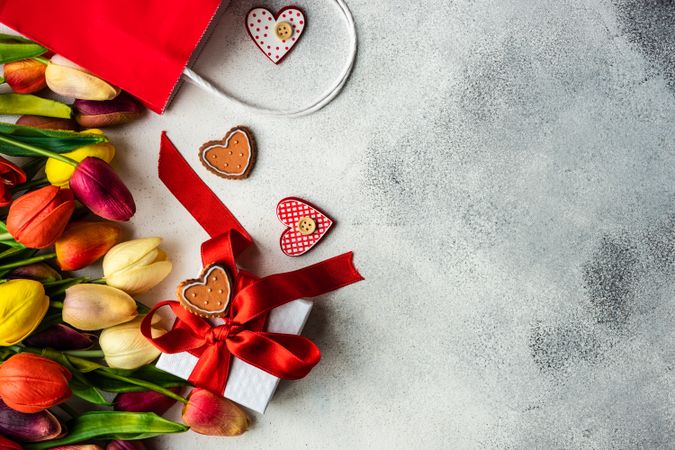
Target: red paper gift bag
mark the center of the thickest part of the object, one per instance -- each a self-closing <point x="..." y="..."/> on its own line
<point x="142" y="46"/>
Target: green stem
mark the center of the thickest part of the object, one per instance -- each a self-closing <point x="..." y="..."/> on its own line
<point x="41" y="59"/>
<point x="145" y="384"/>
<point x="25" y="262"/>
<point x="97" y="281"/>
<point x="57" y="305"/>
<point x="85" y="353"/>
<point x="38" y="151"/>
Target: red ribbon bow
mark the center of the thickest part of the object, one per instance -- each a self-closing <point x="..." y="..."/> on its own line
<point x="241" y="334"/>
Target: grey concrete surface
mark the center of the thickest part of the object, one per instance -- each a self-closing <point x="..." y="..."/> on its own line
<point x="505" y="173"/>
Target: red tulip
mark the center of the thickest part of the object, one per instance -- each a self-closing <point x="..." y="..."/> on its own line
<point x="145" y="401"/>
<point x="37" y="219"/>
<point x="83" y="243"/>
<point x="98" y="187"/>
<point x="10" y="176"/>
<point x="214" y="415"/>
<point x="6" y="444"/>
<point x="31" y="383"/>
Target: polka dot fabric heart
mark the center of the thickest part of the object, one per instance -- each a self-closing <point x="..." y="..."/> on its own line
<point x="290" y="212"/>
<point x="275" y="36"/>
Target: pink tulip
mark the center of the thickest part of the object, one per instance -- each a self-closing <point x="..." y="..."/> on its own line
<point x="125" y="445"/>
<point x="214" y="415"/>
<point x="145" y="401"/>
<point x="98" y="187"/>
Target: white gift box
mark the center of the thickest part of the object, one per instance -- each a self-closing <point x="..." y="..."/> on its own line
<point x="248" y="385"/>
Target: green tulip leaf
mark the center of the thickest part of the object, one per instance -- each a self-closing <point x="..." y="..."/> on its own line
<point x="58" y="141"/>
<point x="87" y="392"/>
<point x="19" y="104"/>
<point x="149" y="373"/>
<point x="13" y="48"/>
<point x="108" y="425"/>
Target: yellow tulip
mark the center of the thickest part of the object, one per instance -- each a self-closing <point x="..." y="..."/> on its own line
<point x="125" y="347"/>
<point x="23" y="304"/>
<point x="70" y="80"/>
<point x="59" y="173"/>
<point x="136" y="266"/>
<point x="95" y="306"/>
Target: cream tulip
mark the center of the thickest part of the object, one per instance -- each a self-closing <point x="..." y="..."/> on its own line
<point x="136" y="266"/>
<point x="70" y="80"/>
<point x="125" y="347"/>
<point x="95" y="306"/>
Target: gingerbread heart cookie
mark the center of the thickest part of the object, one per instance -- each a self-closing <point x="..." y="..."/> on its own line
<point x="306" y="225"/>
<point x="231" y="157"/>
<point x="275" y="36"/>
<point x="209" y="295"/>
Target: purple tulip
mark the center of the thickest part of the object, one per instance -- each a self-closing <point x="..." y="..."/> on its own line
<point x="61" y="337"/>
<point x="101" y="114"/>
<point x="145" y="401"/>
<point x="98" y="187"/>
<point x="125" y="445"/>
<point x="35" y="427"/>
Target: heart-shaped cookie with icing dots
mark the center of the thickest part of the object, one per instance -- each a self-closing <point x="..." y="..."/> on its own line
<point x="306" y="225"/>
<point x="232" y="157"/>
<point x="209" y="295"/>
<point x="275" y="36"/>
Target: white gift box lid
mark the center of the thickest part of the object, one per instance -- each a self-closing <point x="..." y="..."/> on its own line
<point x="248" y="385"/>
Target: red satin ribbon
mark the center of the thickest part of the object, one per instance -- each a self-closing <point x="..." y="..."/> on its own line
<point x="241" y="334"/>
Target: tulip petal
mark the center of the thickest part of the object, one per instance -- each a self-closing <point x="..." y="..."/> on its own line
<point x="76" y="83"/>
<point x="23" y="304"/>
<point x="214" y="415"/>
<point x="95" y="306"/>
<point x="59" y="173"/>
<point x="125" y="347"/>
<point x="127" y="253"/>
<point x="84" y="243"/>
<point x="34" y="427"/>
<point x="141" y="279"/>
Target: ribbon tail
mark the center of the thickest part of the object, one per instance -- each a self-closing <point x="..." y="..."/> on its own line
<point x="212" y="369"/>
<point x="286" y="356"/>
<point x="193" y="193"/>
<point x="262" y="296"/>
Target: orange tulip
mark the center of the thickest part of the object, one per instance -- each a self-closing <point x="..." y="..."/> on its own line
<point x="26" y="76"/>
<point x="37" y="219"/>
<point x="31" y="383"/>
<point x="84" y="243"/>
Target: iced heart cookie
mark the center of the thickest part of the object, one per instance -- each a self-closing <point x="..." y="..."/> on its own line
<point x="209" y="295"/>
<point x="233" y="156"/>
<point x="306" y="225"/>
<point x="275" y="36"/>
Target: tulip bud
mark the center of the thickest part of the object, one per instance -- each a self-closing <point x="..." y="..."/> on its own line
<point x="36" y="271"/>
<point x="98" y="187"/>
<point x="83" y="243"/>
<point x="70" y="80"/>
<point x="125" y="347"/>
<point x="35" y="427"/>
<point x="61" y="337"/>
<point x="95" y="306"/>
<point x="25" y="76"/>
<point x="59" y="173"/>
<point x="30" y="383"/>
<point x="214" y="415"/>
<point x="11" y="176"/>
<point x="125" y="445"/>
<point x="6" y="444"/>
<point x="23" y="304"/>
<point x="49" y="123"/>
<point x="93" y="114"/>
<point x="145" y="401"/>
<point x="136" y="266"/>
<point x="38" y="218"/>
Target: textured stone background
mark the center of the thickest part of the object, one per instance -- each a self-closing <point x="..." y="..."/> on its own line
<point x="504" y="171"/>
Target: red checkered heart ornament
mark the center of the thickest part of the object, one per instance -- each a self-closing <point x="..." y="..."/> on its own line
<point x="306" y="225"/>
<point x="275" y="36"/>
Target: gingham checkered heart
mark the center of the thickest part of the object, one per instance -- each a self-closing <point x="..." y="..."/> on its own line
<point x="290" y="212"/>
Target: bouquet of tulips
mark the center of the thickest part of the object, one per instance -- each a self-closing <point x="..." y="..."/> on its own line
<point x="27" y="71"/>
<point x="65" y="336"/>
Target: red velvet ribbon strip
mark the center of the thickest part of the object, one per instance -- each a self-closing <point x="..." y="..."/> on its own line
<point x="241" y="334"/>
